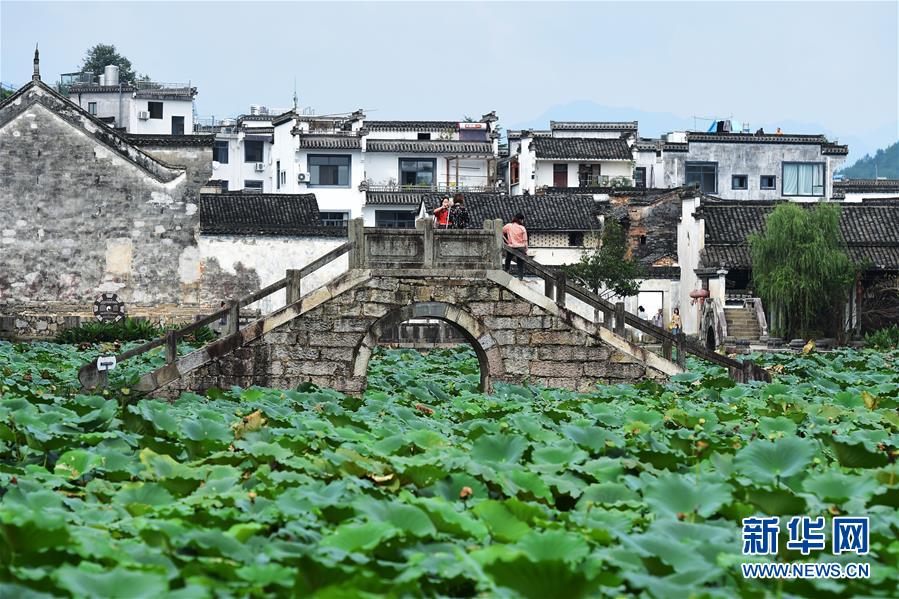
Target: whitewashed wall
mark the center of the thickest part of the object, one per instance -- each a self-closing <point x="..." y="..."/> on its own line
<point x="270" y="257"/>
<point x="345" y="199"/>
<point x="163" y="126"/>
<point x="690" y="240"/>
<point x="608" y="168"/>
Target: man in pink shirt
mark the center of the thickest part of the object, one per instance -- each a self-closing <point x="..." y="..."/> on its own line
<point x="516" y="236"/>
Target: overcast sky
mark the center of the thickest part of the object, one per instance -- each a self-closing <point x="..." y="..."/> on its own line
<point x="829" y="63"/>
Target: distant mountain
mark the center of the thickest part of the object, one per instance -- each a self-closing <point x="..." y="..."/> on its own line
<point x="884" y="163"/>
<point x="654" y="124"/>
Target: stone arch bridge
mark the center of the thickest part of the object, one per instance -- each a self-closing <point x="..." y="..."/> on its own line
<point x="519" y="332"/>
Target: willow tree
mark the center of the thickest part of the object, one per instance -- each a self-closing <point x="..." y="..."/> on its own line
<point x="801" y="269"/>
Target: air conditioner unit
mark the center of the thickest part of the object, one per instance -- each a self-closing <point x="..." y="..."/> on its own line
<point x="303" y="178"/>
<point x="143" y="115"/>
<point x="260" y="167"/>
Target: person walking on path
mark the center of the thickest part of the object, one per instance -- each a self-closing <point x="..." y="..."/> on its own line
<point x="642" y="315"/>
<point x="658" y="319"/>
<point x="458" y="216"/>
<point x="441" y="213"/>
<point x="516" y="236"/>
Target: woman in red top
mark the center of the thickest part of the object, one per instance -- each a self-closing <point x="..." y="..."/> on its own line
<point x="442" y="214"/>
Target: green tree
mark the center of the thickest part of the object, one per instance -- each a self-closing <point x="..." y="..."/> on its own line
<point x="884" y="163"/>
<point x="801" y="269"/>
<point x="608" y="267"/>
<point x="99" y="56"/>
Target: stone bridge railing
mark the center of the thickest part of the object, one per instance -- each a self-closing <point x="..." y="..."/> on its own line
<point x="425" y="247"/>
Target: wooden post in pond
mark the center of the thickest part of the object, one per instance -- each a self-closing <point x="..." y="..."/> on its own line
<point x="681" y="349"/>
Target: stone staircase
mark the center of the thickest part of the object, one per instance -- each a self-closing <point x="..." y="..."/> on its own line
<point x="742" y="323"/>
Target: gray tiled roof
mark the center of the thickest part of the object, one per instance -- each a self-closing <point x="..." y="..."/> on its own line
<point x="144" y="139"/>
<point x="867" y="185"/>
<point x="582" y="148"/>
<point x="411" y="125"/>
<point x="827" y="147"/>
<point x="410" y="198"/>
<point x="541" y="213"/>
<point x="412" y="146"/>
<point x="871" y="232"/>
<point x="516" y="133"/>
<point x="593" y="125"/>
<point x="329" y="142"/>
<point x="261" y="214"/>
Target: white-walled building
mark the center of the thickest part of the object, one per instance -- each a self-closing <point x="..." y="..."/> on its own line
<point x="742" y="166"/>
<point x="857" y="190"/>
<point x="241" y="156"/>
<point x="379" y="169"/>
<point x="142" y="108"/>
<point x="570" y="155"/>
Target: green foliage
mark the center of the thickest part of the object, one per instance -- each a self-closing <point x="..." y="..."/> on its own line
<point x="5" y="93"/>
<point x="885" y="338"/>
<point x="885" y="163"/>
<point x="426" y="487"/>
<point x="608" y="266"/>
<point x="99" y="56"/>
<point x="126" y="329"/>
<point x="801" y="269"/>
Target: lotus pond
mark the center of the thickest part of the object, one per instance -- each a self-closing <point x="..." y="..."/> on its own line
<point x="425" y="487"/>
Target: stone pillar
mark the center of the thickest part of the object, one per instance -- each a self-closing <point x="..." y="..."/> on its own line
<point x="426" y="226"/>
<point x="293" y="285"/>
<point x="356" y="233"/>
<point x="720" y="290"/>
<point x="619" y="319"/>
<point x="496" y="252"/>
<point x="233" y="316"/>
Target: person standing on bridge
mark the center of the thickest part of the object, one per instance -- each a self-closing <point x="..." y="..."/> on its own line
<point x="441" y="213"/>
<point x="458" y="216"/>
<point x="516" y="236"/>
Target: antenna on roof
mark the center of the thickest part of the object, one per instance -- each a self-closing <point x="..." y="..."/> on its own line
<point x="294" y="93"/>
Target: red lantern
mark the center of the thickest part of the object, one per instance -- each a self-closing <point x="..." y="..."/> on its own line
<point x="699" y="294"/>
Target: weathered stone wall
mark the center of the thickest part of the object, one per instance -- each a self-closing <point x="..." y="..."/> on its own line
<point x="84" y="215"/>
<point x="43" y="321"/>
<point x="516" y="340"/>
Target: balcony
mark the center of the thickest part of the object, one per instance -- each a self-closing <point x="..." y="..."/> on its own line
<point x="437" y="188"/>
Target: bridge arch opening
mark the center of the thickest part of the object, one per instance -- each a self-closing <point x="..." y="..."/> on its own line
<point x="468" y="327"/>
<point x="710" y="339"/>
